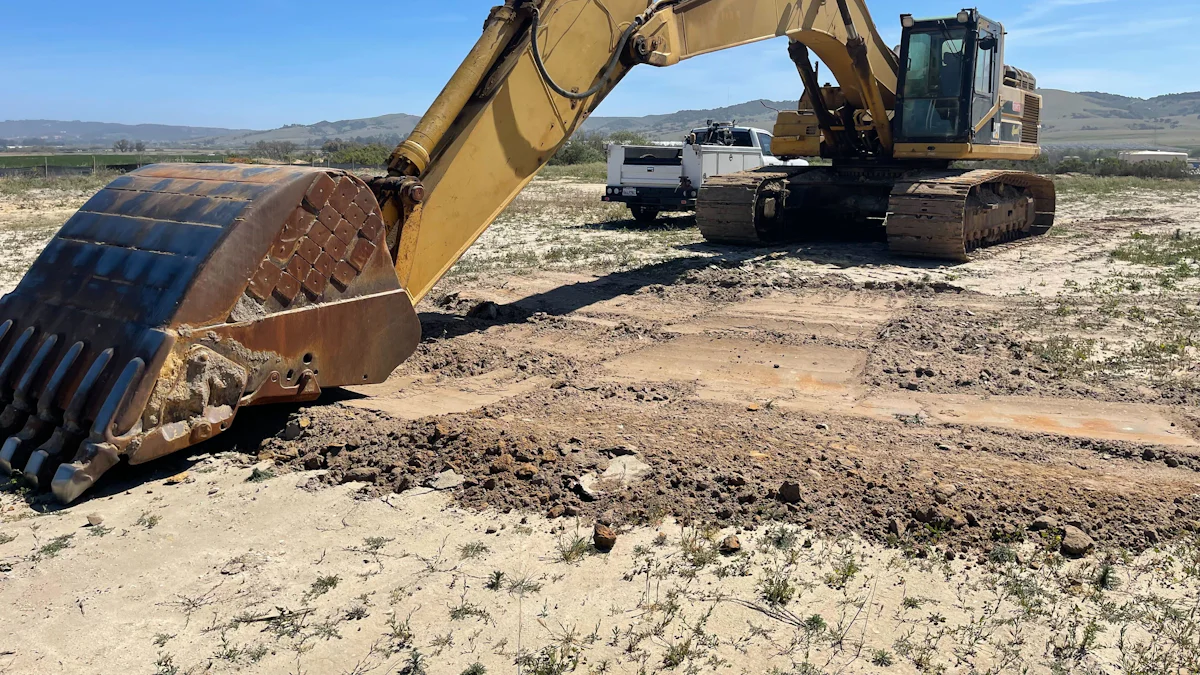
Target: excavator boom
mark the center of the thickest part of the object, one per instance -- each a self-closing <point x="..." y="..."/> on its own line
<point x="180" y="294"/>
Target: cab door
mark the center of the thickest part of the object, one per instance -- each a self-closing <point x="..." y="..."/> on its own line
<point x="989" y="59"/>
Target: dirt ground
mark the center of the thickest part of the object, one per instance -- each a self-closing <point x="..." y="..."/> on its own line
<point x="985" y="467"/>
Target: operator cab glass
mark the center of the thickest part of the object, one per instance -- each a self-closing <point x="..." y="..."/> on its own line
<point x="948" y="78"/>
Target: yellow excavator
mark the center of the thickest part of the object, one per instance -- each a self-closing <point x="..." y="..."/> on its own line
<point x="180" y="294"/>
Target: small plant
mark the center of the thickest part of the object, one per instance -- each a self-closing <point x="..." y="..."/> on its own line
<point x="776" y="589"/>
<point x="911" y="602"/>
<point x="473" y="550"/>
<point x="415" y="665"/>
<point x="357" y="613"/>
<point x="468" y="610"/>
<point x="55" y="546"/>
<point x="1106" y="578"/>
<point x="323" y="585"/>
<point x="781" y="538"/>
<point x="400" y="635"/>
<point x="524" y="586"/>
<point x="259" y="475"/>
<point x="6" y="537"/>
<point x="572" y="549"/>
<point x="161" y="639"/>
<point x="844" y="570"/>
<point x="475" y="669"/>
<point x="677" y="653"/>
<point x="1002" y="555"/>
<point x="148" y="520"/>
<point x="815" y="624"/>
<point x="495" y="581"/>
<point x="882" y="658"/>
<point x="99" y="531"/>
<point x="165" y="665"/>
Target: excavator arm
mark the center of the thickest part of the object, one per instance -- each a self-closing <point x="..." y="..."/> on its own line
<point x="181" y="294"/>
<point x="500" y="119"/>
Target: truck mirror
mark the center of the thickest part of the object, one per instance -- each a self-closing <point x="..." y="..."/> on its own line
<point x="989" y="43"/>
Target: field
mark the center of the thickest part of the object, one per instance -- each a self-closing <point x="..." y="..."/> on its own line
<point x="102" y="160"/>
<point x="816" y="458"/>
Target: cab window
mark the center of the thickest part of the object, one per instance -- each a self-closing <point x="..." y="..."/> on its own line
<point x="765" y="141"/>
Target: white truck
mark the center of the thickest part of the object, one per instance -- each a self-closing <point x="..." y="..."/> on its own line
<point x="655" y="178"/>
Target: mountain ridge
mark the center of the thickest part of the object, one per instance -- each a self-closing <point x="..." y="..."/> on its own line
<point x="1069" y="118"/>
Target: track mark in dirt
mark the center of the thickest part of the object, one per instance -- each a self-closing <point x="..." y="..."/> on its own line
<point x="746" y="371"/>
<point x="1134" y="423"/>
<point x="841" y="316"/>
<point x="412" y="398"/>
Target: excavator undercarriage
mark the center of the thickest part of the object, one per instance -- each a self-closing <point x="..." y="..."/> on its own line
<point x="942" y="214"/>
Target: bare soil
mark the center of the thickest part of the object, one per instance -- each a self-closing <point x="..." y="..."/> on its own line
<point x="960" y="428"/>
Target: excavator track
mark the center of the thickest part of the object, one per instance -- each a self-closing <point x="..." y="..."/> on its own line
<point x="932" y="214"/>
<point x="949" y="216"/>
<point x="730" y="208"/>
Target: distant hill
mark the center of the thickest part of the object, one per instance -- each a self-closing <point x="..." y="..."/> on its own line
<point x="1094" y="118"/>
<point x="396" y="126"/>
<point x="56" y="132"/>
<point x="1069" y="119"/>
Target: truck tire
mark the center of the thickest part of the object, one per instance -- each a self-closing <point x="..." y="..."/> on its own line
<point x="644" y="214"/>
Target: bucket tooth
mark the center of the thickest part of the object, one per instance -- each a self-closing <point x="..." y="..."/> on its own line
<point x="18" y="411"/>
<point x="65" y="440"/>
<point x="202" y="282"/>
<point x="16" y="451"/>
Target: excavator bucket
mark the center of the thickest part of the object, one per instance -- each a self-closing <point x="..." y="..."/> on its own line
<point x="180" y="294"/>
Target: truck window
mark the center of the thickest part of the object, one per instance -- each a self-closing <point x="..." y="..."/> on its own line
<point x="742" y="139"/>
<point x="765" y="141"/>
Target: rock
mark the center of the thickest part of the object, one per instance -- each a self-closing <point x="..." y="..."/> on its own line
<point x="446" y="480"/>
<point x="292" y="431"/>
<point x="95" y="519"/>
<point x="1172" y="462"/>
<point x="945" y="490"/>
<point x="1076" y="543"/>
<point x="401" y="483"/>
<point x="972" y="519"/>
<point x="1043" y="523"/>
<point x="896" y="527"/>
<point x="607" y="518"/>
<point x="361" y="474"/>
<point x="955" y="520"/>
<point x="556" y="511"/>
<point x="925" y="514"/>
<point x="526" y="471"/>
<point x="622" y="451"/>
<point x="313" y="461"/>
<point x="486" y="310"/>
<point x="1149" y="454"/>
<point x="604" y="537"/>
<point x="503" y="464"/>
<point x="943" y="447"/>
<point x="627" y="469"/>
<point x="730" y="545"/>
<point x="587" y="487"/>
<point x="489" y="483"/>
<point x="822" y="426"/>
<point x="491" y="529"/>
<point x="789" y="492"/>
<point x="735" y="480"/>
<point x="813" y="473"/>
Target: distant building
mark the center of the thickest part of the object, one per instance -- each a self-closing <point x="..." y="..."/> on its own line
<point x="1142" y="156"/>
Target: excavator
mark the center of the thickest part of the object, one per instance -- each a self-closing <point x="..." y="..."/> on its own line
<point x="180" y="294"/>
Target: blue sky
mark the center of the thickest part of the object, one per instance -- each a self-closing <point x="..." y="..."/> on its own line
<point x="265" y="63"/>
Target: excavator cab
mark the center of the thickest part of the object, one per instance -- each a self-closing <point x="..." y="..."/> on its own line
<point x="950" y="69"/>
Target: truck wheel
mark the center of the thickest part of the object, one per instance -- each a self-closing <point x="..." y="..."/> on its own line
<point x="644" y="214"/>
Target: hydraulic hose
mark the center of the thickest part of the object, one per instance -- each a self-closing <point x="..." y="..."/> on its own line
<point x="636" y="24"/>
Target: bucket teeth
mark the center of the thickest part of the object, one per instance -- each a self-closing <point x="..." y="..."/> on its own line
<point x="177" y="295"/>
